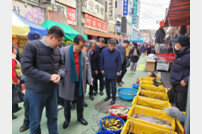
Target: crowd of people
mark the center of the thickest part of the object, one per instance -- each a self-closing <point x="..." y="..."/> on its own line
<point x="56" y="76"/>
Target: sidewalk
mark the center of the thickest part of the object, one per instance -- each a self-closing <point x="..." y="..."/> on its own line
<point x="90" y="113"/>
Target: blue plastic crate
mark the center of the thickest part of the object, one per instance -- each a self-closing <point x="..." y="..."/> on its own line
<point x="109" y="117"/>
<point x="105" y="132"/>
<point x="136" y="86"/>
<point x="127" y="93"/>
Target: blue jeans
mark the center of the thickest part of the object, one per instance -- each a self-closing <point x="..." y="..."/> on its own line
<point x="37" y="101"/>
<point x="26" y="106"/>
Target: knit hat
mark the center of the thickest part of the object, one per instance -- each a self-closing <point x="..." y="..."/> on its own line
<point x="182" y="40"/>
<point x="33" y="35"/>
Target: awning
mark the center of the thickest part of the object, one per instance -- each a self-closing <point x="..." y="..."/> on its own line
<point x="102" y="34"/>
<point x="70" y="33"/>
<point x="22" y="26"/>
<point x="178" y="13"/>
<point x="57" y="17"/>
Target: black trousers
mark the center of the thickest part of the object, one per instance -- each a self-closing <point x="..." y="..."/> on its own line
<point x="111" y="85"/>
<point x="99" y="77"/>
<point x="178" y="95"/>
<point x="123" y="72"/>
<point x="79" y="105"/>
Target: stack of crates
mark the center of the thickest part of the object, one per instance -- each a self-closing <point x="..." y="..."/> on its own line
<point x="150" y="101"/>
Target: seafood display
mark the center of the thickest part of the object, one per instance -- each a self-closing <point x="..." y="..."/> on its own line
<point x="120" y="110"/>
<point x="111" y="124"/>
<point x="152" y="119"/>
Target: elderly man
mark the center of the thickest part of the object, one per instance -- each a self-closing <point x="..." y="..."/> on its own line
<point x="74" y="83"/>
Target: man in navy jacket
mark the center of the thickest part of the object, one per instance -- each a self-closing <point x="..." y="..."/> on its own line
<point x="179" y="76"/>
<point x="110" y="66"/>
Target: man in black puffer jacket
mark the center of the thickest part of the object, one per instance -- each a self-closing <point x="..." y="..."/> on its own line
<point x="43" y="67"/>
<point x="179" y="75"/>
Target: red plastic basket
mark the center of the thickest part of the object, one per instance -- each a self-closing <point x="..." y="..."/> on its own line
<point x="113" y="114"/>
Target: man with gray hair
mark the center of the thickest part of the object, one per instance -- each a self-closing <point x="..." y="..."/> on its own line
<point x="110" y="66"/>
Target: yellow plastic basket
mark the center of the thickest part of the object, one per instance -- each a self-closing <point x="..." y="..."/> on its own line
<point x="153" y="88"/>
<point x="150" y="102"/>
<point x="153" y="94"/>
<point x="147" y="79"/>
<point x="144" y="82"/>
<point x="160" y="114"/>
<point x="137" y="127"/>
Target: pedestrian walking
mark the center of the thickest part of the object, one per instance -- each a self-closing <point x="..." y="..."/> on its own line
<point x="94" y="62"/>
<point x="99" y="48"/>
<point x="159" y="37"/>
<point x="134" y="55"/>
<point x="110" y="65"/>
<point x="16" y="76"/>
<point x="143" y="49"/>
<point x="32" y="35"/>
<point x="74" y="82"/>
<point x="179" y="75"/>
<point x="124" y="60"/>
<point x="43" y="68"/>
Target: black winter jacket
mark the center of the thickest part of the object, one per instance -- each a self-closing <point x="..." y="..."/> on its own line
<point x="38" y="63"/>
<point x="94" y="61"/>
<point x="99" y="50"/>
<point x="160" y="35"/>
<point x="134" y="58"/>
<point x="181" y="67"/>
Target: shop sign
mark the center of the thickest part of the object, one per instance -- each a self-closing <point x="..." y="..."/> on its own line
<point x="94" y="23"/>
<point x="125" y="7"/>
<point x="111" y="27"/>
<point x="119" y="9"/>
<point x="134" y="18"/>
<point x="94" y="8"/>
<point x="118" y="29"/>
<point x="110" y="9"/>
<point x="71" y="16"/>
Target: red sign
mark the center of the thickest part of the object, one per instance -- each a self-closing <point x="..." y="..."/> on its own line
<point x="71" y="15"/>
<point x="94" y="23"/>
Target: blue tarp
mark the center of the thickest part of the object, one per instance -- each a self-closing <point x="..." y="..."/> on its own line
<point x="33" y="27"/>
<point x="137" y="40"/>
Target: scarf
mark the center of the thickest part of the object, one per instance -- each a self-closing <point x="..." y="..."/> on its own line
<point x="73" y="69"/>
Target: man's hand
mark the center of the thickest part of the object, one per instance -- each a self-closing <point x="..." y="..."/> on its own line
<point x="183" y="83"/>
<point x="55" y="78"/>
<point x="91" y="83"/>
<point x="96" y="72"/>
<point x="102" y="71"/>
<point x="118" y="74"/>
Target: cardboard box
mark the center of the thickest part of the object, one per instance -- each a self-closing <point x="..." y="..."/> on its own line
<point x="163" y="66"/>
<point x="150" y="65"/>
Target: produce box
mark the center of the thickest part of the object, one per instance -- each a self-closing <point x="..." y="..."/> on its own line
<point x="150" y="102"/>
<point x="153" y="117"/>
<point x="138" y="127"/>
<point x="152" y="94"/>
<point x="153" y="88"/>
<point x="150" y="65"/>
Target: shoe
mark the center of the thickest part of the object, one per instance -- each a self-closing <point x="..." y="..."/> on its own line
<point x="101" y="93"/>
<point x="73" y="106"/>
<point x="95" y="93"/>
<point x="13" y="117"/>
<point x="107" y="98"/>
<point x="85" y="104"/>
<point x="83" y="121"/>
<point x="60" y="107"/>
<point x="122" y="82"/>
<point x="24" y="127"/>
<point x="65" y="124"/>
<point x="17" y="109"/>
<point x="119" y="84"/>
<point x="91" y="97"/>
<point x="113" y="102"/>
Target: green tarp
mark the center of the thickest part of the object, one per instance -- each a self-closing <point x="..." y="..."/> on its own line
<point x="70" y="33"/>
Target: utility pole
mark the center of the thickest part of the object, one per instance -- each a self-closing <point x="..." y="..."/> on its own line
<point x="79" y="17"/>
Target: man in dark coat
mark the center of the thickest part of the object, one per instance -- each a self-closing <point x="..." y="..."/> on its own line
<point x="110" y="65"/>
<point x="43" y="67"/>
<point x="99" y="48"/>
<point x="94" y="62"/>
<point x="122" y="50"/>
<point x="159" y="38"/>
<point x="179" y="75"/>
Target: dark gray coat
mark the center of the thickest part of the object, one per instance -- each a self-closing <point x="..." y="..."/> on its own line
<point x="67" y="89"/>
